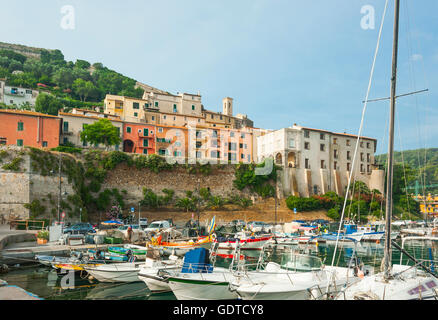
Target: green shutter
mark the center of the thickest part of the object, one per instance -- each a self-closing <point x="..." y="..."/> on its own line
<point x="145" y="143"/>
<point x="20" y="142"/>
<point x="65" y="126"/>
<point x="146" y="132"/>
<point x="20" y="126"/>
<point x="128" y="129"/>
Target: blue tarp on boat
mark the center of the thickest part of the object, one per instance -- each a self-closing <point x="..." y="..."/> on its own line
<point x="197" y="261"/>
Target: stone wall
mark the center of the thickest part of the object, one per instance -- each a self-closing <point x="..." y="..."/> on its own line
<point x="220" y="182"/>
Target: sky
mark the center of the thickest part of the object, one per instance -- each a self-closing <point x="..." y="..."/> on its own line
<point x="282" y="61"/>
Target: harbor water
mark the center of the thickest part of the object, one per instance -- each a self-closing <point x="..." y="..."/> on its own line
<point x="47" y="284"/>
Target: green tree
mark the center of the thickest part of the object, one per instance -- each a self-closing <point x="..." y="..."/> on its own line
<point x="84" y="89"/>
<point x="101" y="132"/>
<point x="47" y="104"/>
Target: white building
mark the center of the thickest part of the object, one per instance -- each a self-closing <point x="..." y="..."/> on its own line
<point x="11" y="95"/>
<point x="317" y="161"/>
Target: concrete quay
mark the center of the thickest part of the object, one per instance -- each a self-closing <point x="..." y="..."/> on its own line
<point x="8" y="292"/>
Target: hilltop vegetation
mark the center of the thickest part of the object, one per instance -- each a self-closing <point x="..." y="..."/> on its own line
<point x="419" y="165"/>
<point x="74" y="84"/>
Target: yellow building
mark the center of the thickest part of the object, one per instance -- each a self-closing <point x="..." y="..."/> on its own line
<point x="428" y="204"/>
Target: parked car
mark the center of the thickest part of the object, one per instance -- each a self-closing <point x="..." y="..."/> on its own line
<point x="238" y="223"/>
<point x="157" y="226"/>
<point x="80" y="228"/>
<point x="137" y="232"/>
<point x="259" y="226"/>
<point x="143" y="223"/>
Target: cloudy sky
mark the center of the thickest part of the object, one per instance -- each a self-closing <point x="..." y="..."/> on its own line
<point x="283" y="61"/>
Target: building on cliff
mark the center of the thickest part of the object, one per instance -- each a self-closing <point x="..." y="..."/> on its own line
<point x="27" y="128"/>
<point x="179" y="110"/>
<point x="73" y="124"/>
<point x="12" y="95"/>
<point x="316" y="161"/>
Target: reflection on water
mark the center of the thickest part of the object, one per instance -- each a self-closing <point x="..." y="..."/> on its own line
<point x="47" y="284"/>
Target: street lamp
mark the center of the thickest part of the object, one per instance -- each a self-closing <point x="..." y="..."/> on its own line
<point x="197" y="207"/>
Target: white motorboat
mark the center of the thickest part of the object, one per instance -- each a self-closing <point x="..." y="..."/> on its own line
<point x="152" y="272"/>
<point x="299" y="277"/>
<point x="115" y="272"/>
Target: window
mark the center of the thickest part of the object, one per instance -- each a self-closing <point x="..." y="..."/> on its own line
<point x="153" y="118"/>
<point x="335" y="165"/>
<point x="193" y="107"/>
<point x="348" y="166"/>
<point x="231" y="134"/>
<point x="145" y="132"/>
<point x="291" y="143"/>
<point x="164" y="117"/>
<point x="348" y="143"/>
<point x="65" y="126"/>
<point x="361" y="167"/>
<point x="348" y="155"/>
<point x="361" y="144"/>
<point x="214" y="154"/>
<point x="162" y="152"/>
<point x="241" y="145"/>
<point x="156" y="103"/>
<point x="335" y="154"/>
<point x="368" y="157"/>
<point x="322" y="147"/>
<point x="323" y="164"/>
<point x="232" y="157"/>
<point x="160" y="130"/>
<point x="145" y="143"/>
<point x="306" y="134"/>
<point x="177" y="144"/>
<point x="368" y="145"/>
<point x="44" y="144"/>
<point x="212" y="116"/>
<point x="361" y="156"/>
<point x="232" y="146"/>
<point x="65" y="140"/>
<point x="242" y="156"/>
<point x="135" y="114"/>
<point x="175" y="109"/>
<point x="3" y="141"/>
<point x="322" y="136"/>
<point x="243" y="136"/>
<point x="368" y="168"/>
<point x="145" y="151"/>
<point x="335" y="140"/>
<point x="198" y="154"/>
<point x="249" y="158"/>
<point x="20" y="142"/>
<point x="306" y="163"/>
<point x="307" y="145"/>
<point x="135" y="105"/>
<point x="146" y="105"/>
<point x="128" y="130"/>
<point x="20" y="126"/>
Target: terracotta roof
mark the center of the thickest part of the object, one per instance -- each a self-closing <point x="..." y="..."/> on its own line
<point x="82" y="116"/>
<point x="338" y="134"/>
<point x="28" y="113"/>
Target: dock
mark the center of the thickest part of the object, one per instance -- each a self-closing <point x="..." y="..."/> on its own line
<point x="8" y="292"/>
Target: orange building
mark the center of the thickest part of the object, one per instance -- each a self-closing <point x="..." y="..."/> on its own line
<point x="27" y="128"/>
<point x="172" y="141"/>
<point x="138" y="138"/>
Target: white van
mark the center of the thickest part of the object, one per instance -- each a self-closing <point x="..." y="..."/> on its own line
<point x="157" y="226"/>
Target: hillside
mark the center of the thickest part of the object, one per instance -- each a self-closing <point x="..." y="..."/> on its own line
<point x="74" y="84"/>
<point x="420" y="164"/>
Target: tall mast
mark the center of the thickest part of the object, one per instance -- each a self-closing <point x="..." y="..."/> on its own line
<point x="388" y="253"/>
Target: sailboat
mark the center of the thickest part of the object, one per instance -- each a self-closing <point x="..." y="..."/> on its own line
<point x="396" y="282"/>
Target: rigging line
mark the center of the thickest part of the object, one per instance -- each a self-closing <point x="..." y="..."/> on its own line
<point x="404" y="168"/>
<point x="413" y="86"/>
<point x="361" y="126"/>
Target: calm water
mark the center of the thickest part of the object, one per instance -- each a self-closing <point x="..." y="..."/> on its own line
<point x="44" y="282"/>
